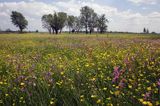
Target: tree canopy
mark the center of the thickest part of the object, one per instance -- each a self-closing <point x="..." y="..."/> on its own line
<point x="19" y="20"/>
<point x="88" y="20"/>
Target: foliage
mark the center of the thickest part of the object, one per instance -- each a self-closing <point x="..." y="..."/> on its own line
<point x="55" y="22"/>
<point x="101" y="24"/>
<point x="86" y="17"/>
<point x="70" y="22"/>
<point x="46" y="22"/>
<point x="19" y="20"/>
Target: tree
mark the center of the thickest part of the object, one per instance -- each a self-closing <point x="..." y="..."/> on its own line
<point x="86" y="14"/>
<point x="19" y="20"/>
<point x="70" y="22"/>
<point x="101" y="23"/>
<point x="62" y="17"/>
<point x="144" y="30"/>
<point x="93" y="22"/>
<point x="46" y="22"/>
<point x="54" y="22"/>
<point x="147" y="31"/>
<point x="77" y="25"/>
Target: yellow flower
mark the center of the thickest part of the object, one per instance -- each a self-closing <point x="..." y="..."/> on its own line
<point x="144" y="102"/>
<point x="104" y="89"/>
<point x="1" y="83"/>
<point x="62" y="73"/>
<point x="117" y="87"/>
<point x="21" y="98"/>
<point x="6" y="94"/>
<point x="154" y="84"/>
<point x="130" y="86"/>
<point x="149" y="88"/>
<point x="87" y="65"/>
<point x="22" y="84"/>
<point x="51" y="102"/>
<point x="60" y="66"/>
<point x="111" y="92"/>
<point x="149" y="103"/>
<point x="98" y="101"/>
<point x="157" y="103"/>
<point x="109" y="104"/>
<point x="141" y="100"/>
<point x="93" y="79"/>
<point x="13" y="104"/>
<point x="81" y="100"/>
<point x="93" y="96"/>
<point x="117" y="93"/>
<point x="82" y="96"/>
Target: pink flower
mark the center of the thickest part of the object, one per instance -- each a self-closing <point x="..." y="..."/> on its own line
<point x="147" y="95"/>
<point x="158" y="83"/>
<point x="116" y="74"/>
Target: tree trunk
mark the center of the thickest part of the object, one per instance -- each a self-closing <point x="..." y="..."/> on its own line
<point x="20" y="29"/>
<point x="49" y="30"/>
<point x="86" y="31"/>
<point x="53" y="30"/>
<point x="90" y="31"/>
<point x="56" y="31"/>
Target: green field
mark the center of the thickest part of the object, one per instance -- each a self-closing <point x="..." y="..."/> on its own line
<point x="79" y="70"/>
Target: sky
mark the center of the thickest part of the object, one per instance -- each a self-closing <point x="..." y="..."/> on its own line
<point x="123" y="15"/>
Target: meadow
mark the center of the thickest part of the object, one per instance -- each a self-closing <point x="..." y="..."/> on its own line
<point x="79" y="70"/>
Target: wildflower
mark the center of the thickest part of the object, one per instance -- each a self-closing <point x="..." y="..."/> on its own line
<point x="104" y="89"/>
<point x="6" y="95"/>
<point x="149" y="88"/>
<point x="109" y="104"/>
<point x="1" y="83"/>
<point x="21" y="98"/>
<point x="81" y="100"/>
<point x="111" y="92"/>
<point x="98" y="101"/>
<point x="149" y="103"/>
<point x="130" y="86"/>
<point x="122" y="83"/>
<point x="109" y="98"/>
<point x="22" y="84"/>
<point x="117" y="87"/>
<point x="158" y="83"/>
<point x="62" y="73"/>
<point x="141" y="100"/>
<point x="116" y="73"/>
<point x="51" y="102"/>
<point x="147" y="95"/>
<point x="93" y="96"/>
<point x="117" y="93"/>
<point x="157" y="103"/>
<point x="82" y="96"/>
<point x="93" y="79"/>
<point x="87" y="65"/>
<point x="13" y="104"/>
<point x="144" y="102"/>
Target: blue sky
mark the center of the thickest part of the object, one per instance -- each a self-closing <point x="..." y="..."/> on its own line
<point x="124" y="15"/>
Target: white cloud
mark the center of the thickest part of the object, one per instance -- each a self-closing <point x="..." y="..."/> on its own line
<point x="119" y="20"/>
<point x="144" y="1"/>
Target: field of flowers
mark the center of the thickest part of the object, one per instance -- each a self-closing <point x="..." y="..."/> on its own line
<point x="79" y="70"/>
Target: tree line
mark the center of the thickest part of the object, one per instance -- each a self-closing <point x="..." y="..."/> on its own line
<point x="88" y="21"/>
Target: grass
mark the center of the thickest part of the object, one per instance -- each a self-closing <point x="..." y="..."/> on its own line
<point x="79" y="70"/>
